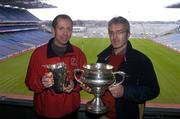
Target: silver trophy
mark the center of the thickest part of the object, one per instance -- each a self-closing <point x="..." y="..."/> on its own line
<point x="99" y="77"/>
<point x="60" y="76"/>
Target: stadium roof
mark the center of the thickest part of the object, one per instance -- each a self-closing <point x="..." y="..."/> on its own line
<point x="177" y="5"/>
<point x="27" y="4"/>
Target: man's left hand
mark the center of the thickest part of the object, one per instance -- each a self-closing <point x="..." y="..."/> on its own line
<point x="116" y="90"/>
<point x="69" y="87"/>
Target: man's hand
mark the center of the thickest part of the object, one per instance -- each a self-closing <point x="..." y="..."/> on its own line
<point x="69" y="87"/>
<point x="86" y="87"/>
<point x="116" y="90"/>
<point x="47" y="80"/>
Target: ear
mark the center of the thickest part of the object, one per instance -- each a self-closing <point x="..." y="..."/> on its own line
<point x="128" y="34"/>
<point x="53" y="31"/>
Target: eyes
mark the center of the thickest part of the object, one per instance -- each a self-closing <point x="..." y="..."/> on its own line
<point x="118" y="32"/>
<point x="69" y="29"/>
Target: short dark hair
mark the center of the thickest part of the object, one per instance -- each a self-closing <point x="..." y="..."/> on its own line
<point x="119" y="20"/>
<point x="61" y="16"/>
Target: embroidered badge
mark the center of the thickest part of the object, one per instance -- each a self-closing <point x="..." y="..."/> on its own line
<point x="73" y="61"/>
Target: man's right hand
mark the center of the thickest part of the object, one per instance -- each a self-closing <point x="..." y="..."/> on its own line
<point x="86" y="88"/>
<point x="47" y="80"/>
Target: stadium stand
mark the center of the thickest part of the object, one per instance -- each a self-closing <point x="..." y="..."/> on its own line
<point x="19" y="31"/>
<point x="171" y="40"/>
<point x="176" y="5"/>
<point x="15" y="14"/>
<point x="27" y="4"/>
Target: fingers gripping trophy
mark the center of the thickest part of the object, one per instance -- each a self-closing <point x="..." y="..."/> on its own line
<point x="98" y="77"/>
<point x="60" y="76"/>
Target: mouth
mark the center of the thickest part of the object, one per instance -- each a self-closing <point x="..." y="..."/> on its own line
<point x="115" y="41"/>
<point x="65" y="38"/>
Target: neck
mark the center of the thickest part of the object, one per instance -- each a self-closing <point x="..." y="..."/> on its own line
<point x="120" y="50"/>
<point x="59" y="44"/>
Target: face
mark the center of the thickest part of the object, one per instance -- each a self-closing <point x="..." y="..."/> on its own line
<point x="62" y="32"/>
<point x="118" y="35"/>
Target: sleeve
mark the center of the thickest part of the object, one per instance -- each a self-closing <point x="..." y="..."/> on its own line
<point x="33" y="76"/>
<point x="146" y="86"/>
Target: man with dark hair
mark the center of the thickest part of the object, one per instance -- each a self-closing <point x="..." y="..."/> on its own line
<point x="47" y="102"/>
<point x="127" y="100"/>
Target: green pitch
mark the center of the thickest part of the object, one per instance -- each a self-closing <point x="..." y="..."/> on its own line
<point x="165" y="61"/>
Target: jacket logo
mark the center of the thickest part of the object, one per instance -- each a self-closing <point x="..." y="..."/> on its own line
<point x="73" y="62"/>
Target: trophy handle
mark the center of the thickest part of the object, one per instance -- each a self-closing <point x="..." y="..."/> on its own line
<point x="119" y="73"/>
<point x="67" y="79"/>
<point x="76" y="71"/>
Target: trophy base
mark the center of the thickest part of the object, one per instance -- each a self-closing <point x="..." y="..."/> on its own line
<point x="96" y="109"/>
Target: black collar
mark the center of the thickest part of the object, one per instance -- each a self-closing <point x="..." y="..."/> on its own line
<point x="50" y="52"/>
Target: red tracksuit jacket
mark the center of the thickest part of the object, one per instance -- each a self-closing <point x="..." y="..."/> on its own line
<point x="47" y="103"/>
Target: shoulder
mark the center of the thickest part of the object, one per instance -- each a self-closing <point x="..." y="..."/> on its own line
<point x="79" y="54"/>
<point x="40" y="50"/>
<point x="77" y="49"/>
<point x="134" y="53"/>
<point x="138" y="56"/>
<point x="105" y="52"/>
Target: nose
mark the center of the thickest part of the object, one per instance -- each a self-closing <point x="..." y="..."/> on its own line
<point x="114" y="35"/>
<point x="65" y="32"/>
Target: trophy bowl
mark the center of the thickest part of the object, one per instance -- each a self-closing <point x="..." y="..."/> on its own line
<point x="59" y="75"/>
<point x="98" y="77"/>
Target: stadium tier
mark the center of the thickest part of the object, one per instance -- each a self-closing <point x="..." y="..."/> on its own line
<point x="172" y="41"/>
<point x="14" y="14"/>
<point x="19" y="32"/>
<point x="17" y="42"/>
<point x="17" y="28"/>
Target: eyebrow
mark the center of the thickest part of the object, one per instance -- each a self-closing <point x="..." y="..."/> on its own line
<point x="119" y="30"/>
